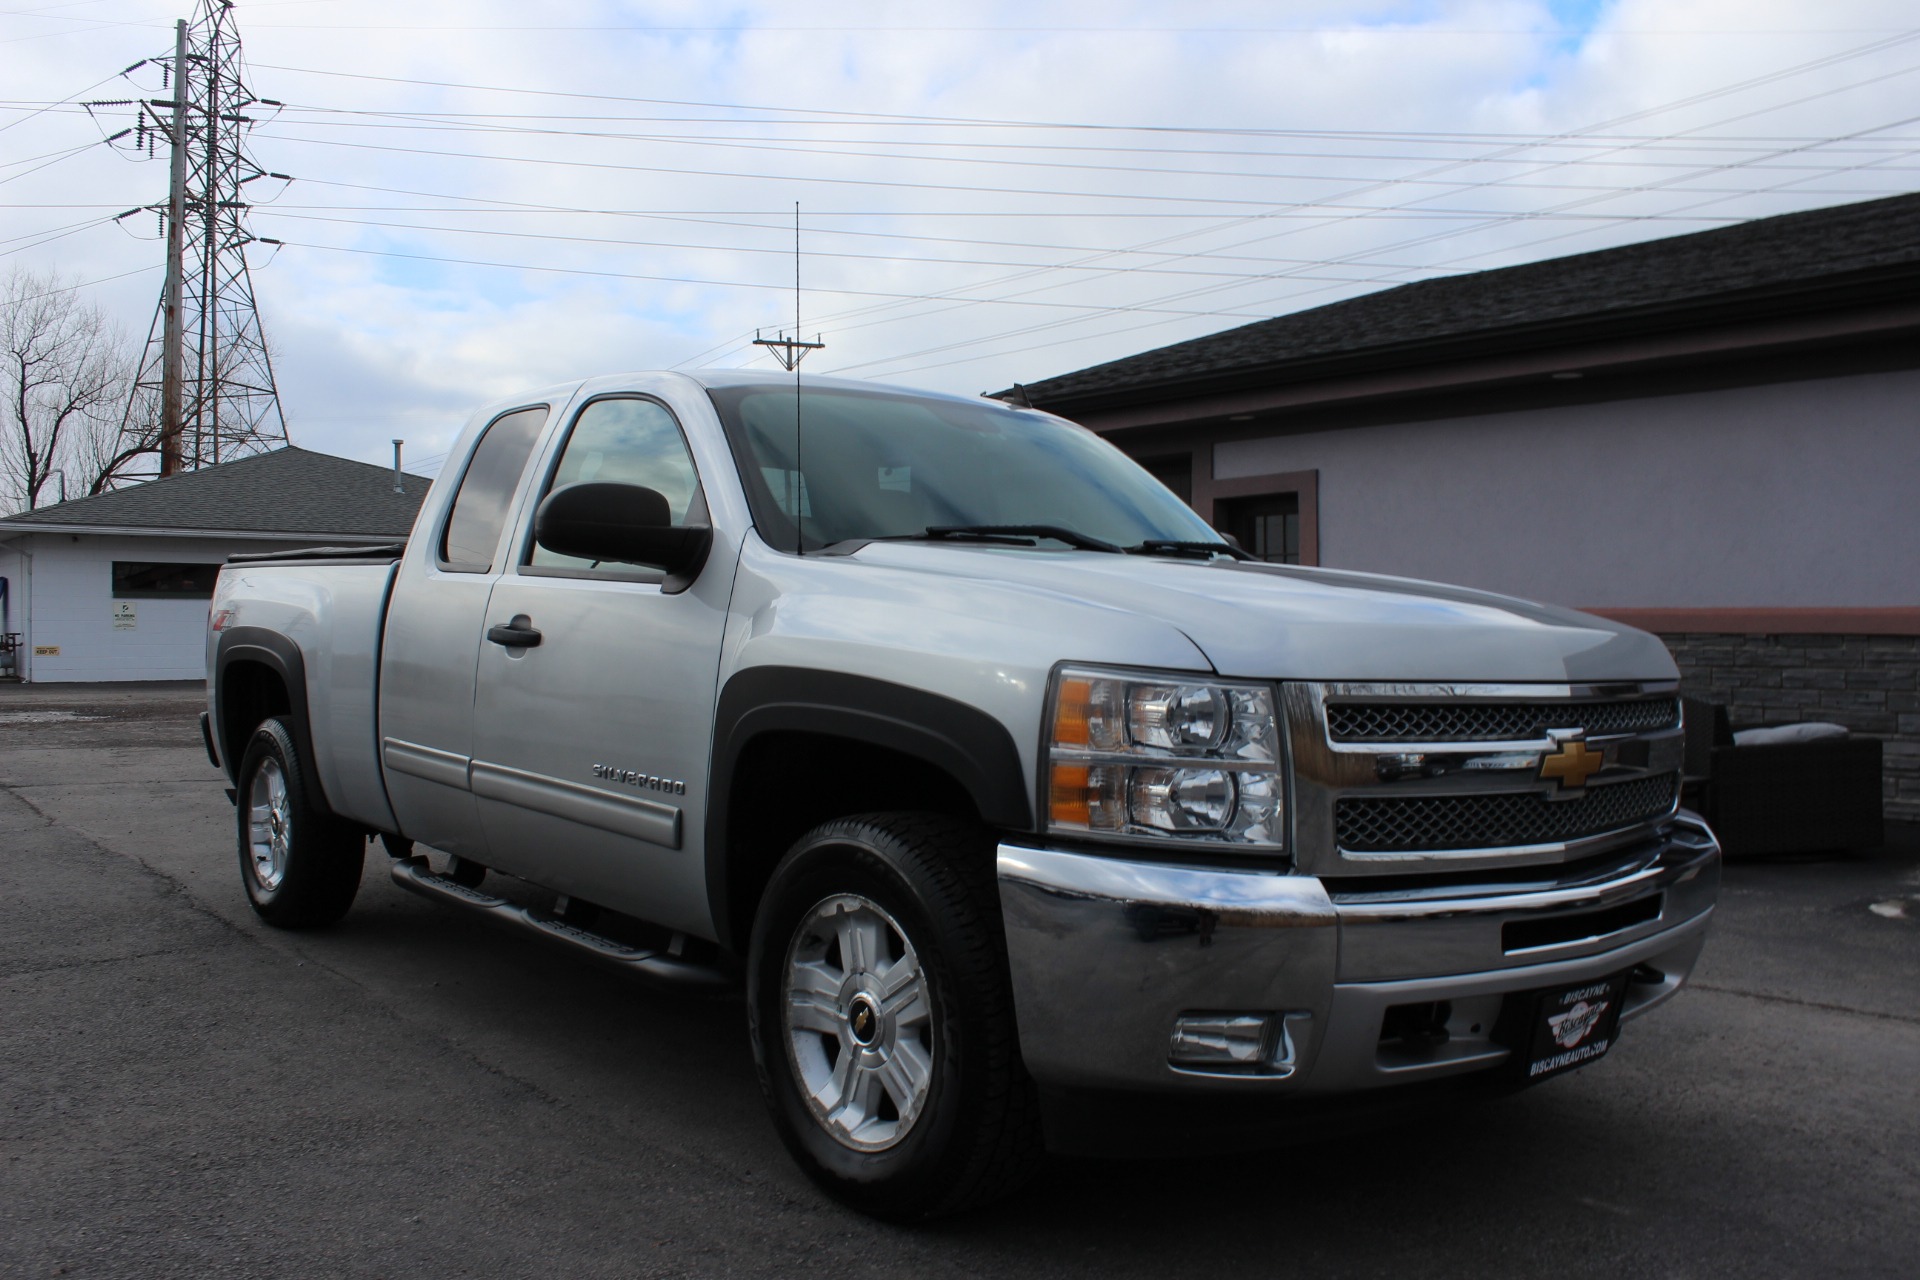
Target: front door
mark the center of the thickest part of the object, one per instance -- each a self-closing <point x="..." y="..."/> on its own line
<point x="591" y="745"/>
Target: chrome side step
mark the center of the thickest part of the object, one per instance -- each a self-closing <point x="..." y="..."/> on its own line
<point x="658" y="968"/>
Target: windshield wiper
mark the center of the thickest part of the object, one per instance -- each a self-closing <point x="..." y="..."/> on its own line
<point x="1176" y="547"/>
<point x="1017" y="533"/>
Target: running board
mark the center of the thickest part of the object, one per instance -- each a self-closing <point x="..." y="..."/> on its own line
<point x="657" y="968"/>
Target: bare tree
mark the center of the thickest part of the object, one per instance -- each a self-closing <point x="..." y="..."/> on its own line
<point x="66" y="378"/>
<point x="119" y="449"/>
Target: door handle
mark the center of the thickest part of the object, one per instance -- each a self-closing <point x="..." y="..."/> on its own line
<point x="517" y="634"/>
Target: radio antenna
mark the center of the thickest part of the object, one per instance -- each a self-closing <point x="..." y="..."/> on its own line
<point x="789" y="350"/>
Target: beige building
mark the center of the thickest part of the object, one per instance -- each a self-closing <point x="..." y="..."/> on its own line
<point x="1715" y="436"/>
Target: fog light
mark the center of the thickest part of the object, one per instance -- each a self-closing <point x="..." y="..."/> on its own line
<point x="1219" y="1039"/>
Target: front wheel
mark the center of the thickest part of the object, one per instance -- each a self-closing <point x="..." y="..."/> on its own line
<point x="882" y="1017"/>
<point x="300" y="864"/>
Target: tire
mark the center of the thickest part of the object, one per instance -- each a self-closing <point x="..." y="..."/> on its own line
<point x="299" y="863"/>
<point x="881" y="1013"/>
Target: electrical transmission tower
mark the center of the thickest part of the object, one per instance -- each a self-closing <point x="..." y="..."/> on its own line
<point x="205" y="392"/>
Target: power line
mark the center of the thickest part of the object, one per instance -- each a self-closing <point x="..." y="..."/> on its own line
<point x="664" y="279"/>
<point x="1903" y="36"/>
<point x="476" y="122"/>
<point x="749" y="249"/>
<point x="1645" y="113"/>
<point x="1000" y="162"/>
<point x="1694" y="99"/>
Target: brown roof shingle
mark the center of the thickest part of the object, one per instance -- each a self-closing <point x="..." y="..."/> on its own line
<point x="1787" y="262"/>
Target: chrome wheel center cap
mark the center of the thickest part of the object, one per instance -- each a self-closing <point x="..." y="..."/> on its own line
<point x="863" y="1021"/>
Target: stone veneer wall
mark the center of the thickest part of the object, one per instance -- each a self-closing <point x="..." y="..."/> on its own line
<point x="1871" y="684"/>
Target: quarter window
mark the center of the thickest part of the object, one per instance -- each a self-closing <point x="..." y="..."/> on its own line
<point x="480" y="507"/>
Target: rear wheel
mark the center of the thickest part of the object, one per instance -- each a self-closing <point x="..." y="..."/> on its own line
<point x="882" y="1017"/>
<point x="299" y="863"/>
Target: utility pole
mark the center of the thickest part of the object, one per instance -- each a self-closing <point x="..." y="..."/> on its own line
<point x="171" y="418"/>
<point x="206" y="362"/>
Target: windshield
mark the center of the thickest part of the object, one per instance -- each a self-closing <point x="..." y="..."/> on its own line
<point x="876" y="464"/>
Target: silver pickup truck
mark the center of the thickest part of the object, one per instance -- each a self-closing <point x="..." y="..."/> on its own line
<point x="996" y="777"/>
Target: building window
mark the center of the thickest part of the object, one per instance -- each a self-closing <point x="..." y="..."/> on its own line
<point x="147" y="580"/>
<point x="1174" y="471"/>
<point x="1267" y="525"/>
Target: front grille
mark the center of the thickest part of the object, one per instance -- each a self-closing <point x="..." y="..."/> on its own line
<point x="1371" y="824"/>
<point x="1493" y="721"/>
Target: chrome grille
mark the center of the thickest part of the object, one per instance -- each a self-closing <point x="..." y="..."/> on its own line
<point x="1381" y="824"/>
<point x="1493" y="721"/>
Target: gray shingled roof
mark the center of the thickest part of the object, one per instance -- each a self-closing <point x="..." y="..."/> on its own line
<point x="1769" y="264"/>
<point x="292" y="491"/>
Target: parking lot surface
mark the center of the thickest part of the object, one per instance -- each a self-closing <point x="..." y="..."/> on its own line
<point x="186" y="1092"/>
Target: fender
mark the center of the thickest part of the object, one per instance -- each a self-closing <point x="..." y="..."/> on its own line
<point x="282" y="656"/>
<point x="962" y="741"/>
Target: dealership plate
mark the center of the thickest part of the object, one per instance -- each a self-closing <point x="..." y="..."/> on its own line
<point x="1572" y="1026"/>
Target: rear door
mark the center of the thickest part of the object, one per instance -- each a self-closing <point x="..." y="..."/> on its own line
<point x="591" y="747"/>
<point x="433" y="635"/>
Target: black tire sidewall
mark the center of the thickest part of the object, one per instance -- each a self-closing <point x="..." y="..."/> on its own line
<point x="323" y="855"/>
<point x="902" y="1179"/>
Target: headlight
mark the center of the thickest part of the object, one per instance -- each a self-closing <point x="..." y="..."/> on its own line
<point x="1167" y="756"/>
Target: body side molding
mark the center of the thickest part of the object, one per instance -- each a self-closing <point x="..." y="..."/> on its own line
<point x="447" y="768"/>
<point x="623" y="815"/>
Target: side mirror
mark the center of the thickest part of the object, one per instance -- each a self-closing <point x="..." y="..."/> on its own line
<point x="625" y="523"/>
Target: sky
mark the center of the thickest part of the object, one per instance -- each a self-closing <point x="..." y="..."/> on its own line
<point x="489" y="197"/>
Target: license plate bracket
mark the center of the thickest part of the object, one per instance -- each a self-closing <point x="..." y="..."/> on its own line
<point x="1573" y="1026"/>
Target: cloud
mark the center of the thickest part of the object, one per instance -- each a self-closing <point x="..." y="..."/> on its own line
<point x="1284" y="156"/>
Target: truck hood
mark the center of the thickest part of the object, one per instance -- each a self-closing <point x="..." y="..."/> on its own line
<point x="1273" y="621"/>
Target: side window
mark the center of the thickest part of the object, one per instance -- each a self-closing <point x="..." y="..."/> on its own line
<point x="480" y="507"/>
<point x="626" y="441"/>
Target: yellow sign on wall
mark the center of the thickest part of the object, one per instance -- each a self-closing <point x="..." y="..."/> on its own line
<point x="46" y="651"/>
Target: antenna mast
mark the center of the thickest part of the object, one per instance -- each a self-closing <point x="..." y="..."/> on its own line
<point x="789" y="350"/>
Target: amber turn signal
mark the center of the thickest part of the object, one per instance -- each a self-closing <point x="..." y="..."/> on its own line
<point x="1071" y="711"/>
<point x="1071" y="801"/>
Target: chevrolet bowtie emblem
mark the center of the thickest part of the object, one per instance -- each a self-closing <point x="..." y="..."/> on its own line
<point x="1571" y="764"/>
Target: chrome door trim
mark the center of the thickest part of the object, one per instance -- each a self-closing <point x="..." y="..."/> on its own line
<point x="622" y="815"/>
<point x="447" y="768"/>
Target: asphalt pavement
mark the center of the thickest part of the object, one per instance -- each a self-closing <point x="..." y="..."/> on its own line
<point x="186" y="1092"/>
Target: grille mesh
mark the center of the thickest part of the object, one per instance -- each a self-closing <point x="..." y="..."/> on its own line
<point x="1425" y="823"/>
<point x="1492" y="721"/>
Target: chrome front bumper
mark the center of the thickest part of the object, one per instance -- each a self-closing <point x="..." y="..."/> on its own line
<point x="1108" y="953"/>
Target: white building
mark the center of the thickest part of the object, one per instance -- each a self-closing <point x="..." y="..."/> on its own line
<point x="115" y="587"/>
